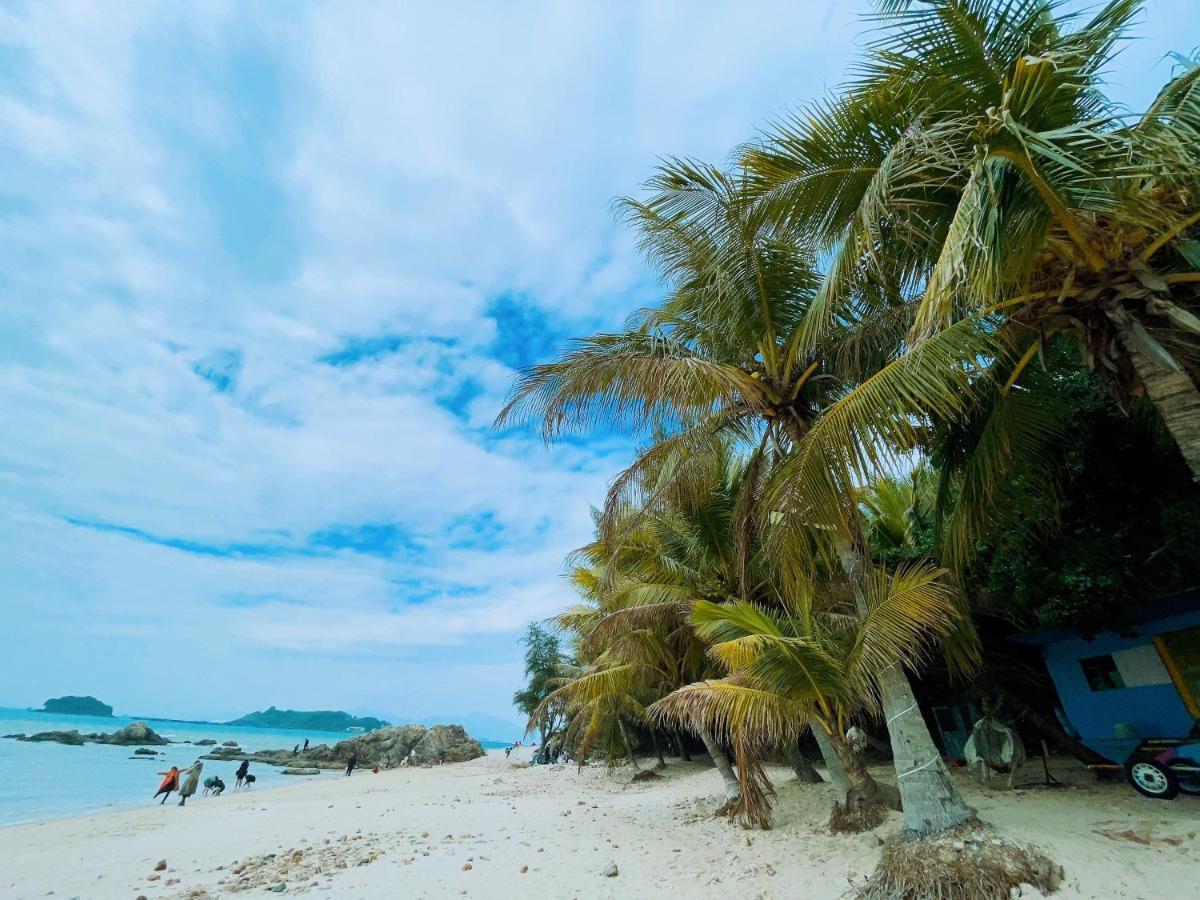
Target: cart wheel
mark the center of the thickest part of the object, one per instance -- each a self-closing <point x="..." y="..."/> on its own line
<point x="1150" y="778"/>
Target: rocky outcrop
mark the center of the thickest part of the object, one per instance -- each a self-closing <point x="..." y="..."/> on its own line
<point x="205" y="742"/>
<point x="386" y="748"/>
<point x="139" y="734"/>
<point x="71" y="738"/>
<point x="446" y="744"/>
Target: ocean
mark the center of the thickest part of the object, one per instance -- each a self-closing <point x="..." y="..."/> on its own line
<point x="46" y="780"/>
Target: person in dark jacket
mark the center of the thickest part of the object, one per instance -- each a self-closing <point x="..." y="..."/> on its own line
<point x="352" y="763"/>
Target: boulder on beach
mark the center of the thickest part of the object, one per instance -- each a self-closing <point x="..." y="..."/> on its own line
<point x="384" y="747"/>
<point x="446" y="743"/>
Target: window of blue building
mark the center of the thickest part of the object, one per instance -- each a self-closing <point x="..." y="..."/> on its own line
<point x="1101" y="673"/>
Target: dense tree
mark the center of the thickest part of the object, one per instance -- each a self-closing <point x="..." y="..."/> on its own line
<point x="544" y="665"/>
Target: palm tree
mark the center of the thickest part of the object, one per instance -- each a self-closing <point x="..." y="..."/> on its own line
<point x="975" y="173"/>
<point x="817" y="658"/>
<point x="637" y="582"/>
<point x="728" y="352"/>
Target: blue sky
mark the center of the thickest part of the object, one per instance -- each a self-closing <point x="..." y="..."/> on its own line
<point x="266" y="272"/>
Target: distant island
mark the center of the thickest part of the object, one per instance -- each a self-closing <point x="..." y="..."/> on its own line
<point x="77" y="706"/>
<point x="314" y="720"/>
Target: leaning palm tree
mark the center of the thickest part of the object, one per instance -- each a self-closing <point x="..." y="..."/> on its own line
<point x="975" y="168"/>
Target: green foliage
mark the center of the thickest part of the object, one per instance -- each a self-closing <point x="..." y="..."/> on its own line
<point x="544" y="662"/>
<point x="316" y="720"/>
<point x="1128" y="517"/>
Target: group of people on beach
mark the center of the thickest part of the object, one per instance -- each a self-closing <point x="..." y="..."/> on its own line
<point x="187" y="780"/>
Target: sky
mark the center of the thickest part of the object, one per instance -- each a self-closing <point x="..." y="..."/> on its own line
<point x="266" y="273"/>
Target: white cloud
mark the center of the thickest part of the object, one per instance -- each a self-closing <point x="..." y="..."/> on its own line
<point x="407" y="166"/>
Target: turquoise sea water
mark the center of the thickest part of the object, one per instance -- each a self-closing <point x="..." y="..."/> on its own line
<point x="47" y="780"/>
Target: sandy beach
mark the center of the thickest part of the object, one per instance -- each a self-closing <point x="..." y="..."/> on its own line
<point x="489" y="828"/>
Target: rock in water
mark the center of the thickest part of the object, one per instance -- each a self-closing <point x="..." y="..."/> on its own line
<point x="71" y="738"/>
<point x="138" y="733"/>
<point x="206" y="742"/>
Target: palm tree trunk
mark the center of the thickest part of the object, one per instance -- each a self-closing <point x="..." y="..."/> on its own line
<point x="662" y="763"/>
<point x="733" y="789"/>
<point x="1170" y="390"/>
<point x="802" y="767"/>
<point x="928" y="798"/>
<point x="628" y="745"/>
<point x="833" y="762"/>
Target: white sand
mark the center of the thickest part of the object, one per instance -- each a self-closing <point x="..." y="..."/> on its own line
<point x="412" y="832"/>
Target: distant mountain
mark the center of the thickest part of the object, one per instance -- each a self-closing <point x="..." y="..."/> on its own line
<point x="479" y="725"/>
<point x="77" y="706"/>
<point x="315" y="720"/>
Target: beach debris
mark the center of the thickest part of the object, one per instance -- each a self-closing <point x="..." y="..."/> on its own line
<point x="160" y="865"/>
<point x="153" y="877"/>
<point x="1127" y="835"/>
<point x="610" y="871"/>
<point x="524" y="869"/>
<point x="985" y="865"/>
<point x="467" y="867"/>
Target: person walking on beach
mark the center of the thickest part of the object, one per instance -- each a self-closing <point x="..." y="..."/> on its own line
<point x="352" y="763"/>
<point x="191" y="780"/>
<point x="306" y="745"/>
<point x="170" y="783"/>
<point x="295" y="750"/>
<point x="241" y="773"/>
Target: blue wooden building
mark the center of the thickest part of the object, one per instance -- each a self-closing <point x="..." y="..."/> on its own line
<point x="1120" y="688"/>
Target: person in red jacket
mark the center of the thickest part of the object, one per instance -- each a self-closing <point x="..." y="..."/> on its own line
<point x="170" y="783"/>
